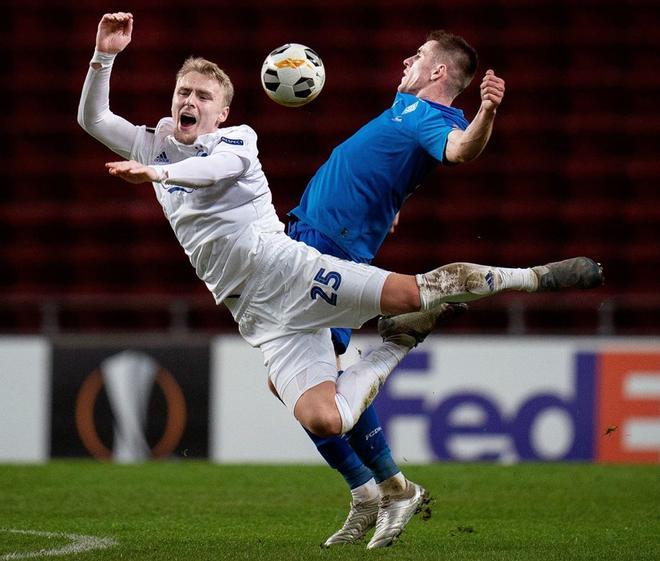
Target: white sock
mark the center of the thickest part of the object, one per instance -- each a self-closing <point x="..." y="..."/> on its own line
<point x="358" y="385"/>
<point x="394" y="485"/>
<point x="498" y="279"/>
<point x="365" y="492"/>
<point x="518" y="279"/>
<point x="464" y="282"/>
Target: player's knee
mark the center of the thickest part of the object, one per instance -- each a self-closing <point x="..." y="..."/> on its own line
<point x="317" y="411"/>
<point x="325" y="425"/>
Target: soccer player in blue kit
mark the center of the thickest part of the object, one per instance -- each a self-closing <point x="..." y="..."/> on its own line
<point x="347" y="210"/>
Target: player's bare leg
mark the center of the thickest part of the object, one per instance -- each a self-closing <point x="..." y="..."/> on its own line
<point x="463" y="282"/>
<point x="400" y="294"/>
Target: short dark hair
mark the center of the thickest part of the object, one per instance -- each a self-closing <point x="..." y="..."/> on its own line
<point x="460" y="55"/>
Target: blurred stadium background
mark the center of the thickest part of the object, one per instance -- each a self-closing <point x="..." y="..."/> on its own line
<point x="89" y="268"/>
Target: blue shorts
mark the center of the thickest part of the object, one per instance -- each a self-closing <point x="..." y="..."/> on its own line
<point x="302" y="232"/>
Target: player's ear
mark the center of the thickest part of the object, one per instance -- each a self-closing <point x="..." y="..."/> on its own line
<point x="222" y="116"/>
<point x="439" y="71"/>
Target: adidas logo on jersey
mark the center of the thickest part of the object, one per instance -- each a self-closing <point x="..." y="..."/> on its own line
<point x="161" y="159"/>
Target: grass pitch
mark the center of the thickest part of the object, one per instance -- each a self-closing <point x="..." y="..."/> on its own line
<point x="196" y="511"/>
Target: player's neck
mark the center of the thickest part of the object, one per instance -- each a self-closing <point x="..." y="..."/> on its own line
<point x="436" y="95"/>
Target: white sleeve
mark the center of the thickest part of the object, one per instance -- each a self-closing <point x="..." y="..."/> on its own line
<point x="202" y="172"/>
<point x="94" y="114"/>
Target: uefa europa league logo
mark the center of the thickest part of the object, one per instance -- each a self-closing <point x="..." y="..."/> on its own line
<point x="128" y="378"/>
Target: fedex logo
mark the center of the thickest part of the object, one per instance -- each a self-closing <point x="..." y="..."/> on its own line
<point x="524" y="403"/>
<point x="628" y="406"/>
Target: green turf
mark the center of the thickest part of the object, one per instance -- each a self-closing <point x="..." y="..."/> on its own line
<point x="195" y="511"/>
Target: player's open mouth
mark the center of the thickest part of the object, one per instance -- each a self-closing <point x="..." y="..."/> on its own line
<point x="187" y="121"/>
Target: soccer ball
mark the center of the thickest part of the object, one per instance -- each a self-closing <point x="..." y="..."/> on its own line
<point x="292" y="75"/>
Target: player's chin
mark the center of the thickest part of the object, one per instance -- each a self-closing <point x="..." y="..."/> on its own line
<point x="185" y="136"/>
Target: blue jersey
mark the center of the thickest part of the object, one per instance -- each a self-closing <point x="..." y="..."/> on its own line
<point x="354" y="196"/>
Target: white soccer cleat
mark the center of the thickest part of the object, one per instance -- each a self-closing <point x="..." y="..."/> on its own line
<point x="412" y="328"/>
<point x="361" y="518"/>
<point x="395" y="512"/>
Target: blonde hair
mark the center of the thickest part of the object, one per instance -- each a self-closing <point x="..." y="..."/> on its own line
<point x="210" y="69"/>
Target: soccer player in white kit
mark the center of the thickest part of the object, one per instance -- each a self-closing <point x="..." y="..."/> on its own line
<point x="283" y="294"/>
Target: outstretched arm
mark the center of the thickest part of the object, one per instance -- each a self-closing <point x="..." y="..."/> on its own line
<point x="191" y="172"/>
<point x="132" y="171"/>
<point x="94" y="115"/>
<point x="463" y="146"/>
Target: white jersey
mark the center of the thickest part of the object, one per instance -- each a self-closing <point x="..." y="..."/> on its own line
<point x="216" y="196"/>
<point x="217" y="200"/>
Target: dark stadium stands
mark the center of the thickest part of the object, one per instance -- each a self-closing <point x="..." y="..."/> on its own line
<point x="572" y="167"/>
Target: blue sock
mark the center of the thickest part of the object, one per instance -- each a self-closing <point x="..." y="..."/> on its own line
<point x="368" y="441"/>
<point x="340" y="456"/>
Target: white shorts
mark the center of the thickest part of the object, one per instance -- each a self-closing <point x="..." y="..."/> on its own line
<point x="299" y="362"/>
<point x="294" y="294"/>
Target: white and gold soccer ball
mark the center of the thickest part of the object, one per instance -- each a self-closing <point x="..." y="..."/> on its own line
<point x="293" y="75"/>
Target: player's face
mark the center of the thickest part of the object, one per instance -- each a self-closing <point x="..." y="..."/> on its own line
<point x="419" y="69"/>
<point x="198" y="106"/>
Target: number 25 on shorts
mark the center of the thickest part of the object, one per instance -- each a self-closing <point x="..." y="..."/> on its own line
<point x="331" y="279"/>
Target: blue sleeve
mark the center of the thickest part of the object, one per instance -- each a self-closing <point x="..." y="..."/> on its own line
<point x="432" y="136"/>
